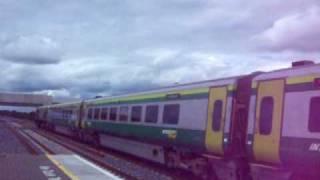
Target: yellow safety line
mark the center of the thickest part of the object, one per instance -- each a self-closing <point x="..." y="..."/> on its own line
<point x="62" y="168"/>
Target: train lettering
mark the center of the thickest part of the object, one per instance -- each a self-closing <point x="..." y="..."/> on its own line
<point x="314" y="147"/>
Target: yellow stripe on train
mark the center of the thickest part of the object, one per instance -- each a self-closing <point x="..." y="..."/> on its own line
<point x="302" y="79"/>
<point x="293" y="80"/>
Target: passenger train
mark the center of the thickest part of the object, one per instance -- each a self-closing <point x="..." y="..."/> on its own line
<point x="260" y="126"/>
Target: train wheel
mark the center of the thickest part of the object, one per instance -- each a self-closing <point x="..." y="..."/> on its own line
<point x="303" y="176"/>
<point x="171" y="159"/>
<point x="211" y="175"/>
<point x="296" y="177"/>
<point x="81" y="136"/>
<point x="96" y="141"/>
<point x="37" y="124"/>
<point x="78" y="136"/>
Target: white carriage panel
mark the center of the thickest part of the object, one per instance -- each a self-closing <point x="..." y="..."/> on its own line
<point x="74" y="115"/>
<point x="143" y="113"/>
<point x="129" y="114"/>
<point x="251" y="117"/>
<point x="296" y="114"/>
<point x="228" y="115"/>
<point x="193" y="114"/>
<point x="144" y="150"/>
<point x="160" y="115"/>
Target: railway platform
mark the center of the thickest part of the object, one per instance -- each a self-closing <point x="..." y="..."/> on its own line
<point x="26" y="155"/>
<point x="13" y="167"/>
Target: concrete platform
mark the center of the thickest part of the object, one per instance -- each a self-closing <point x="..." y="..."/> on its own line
<point x="16" y="163"/>
<point x="78" y="167"/>
<point x="52" y="167"/>
<point x="53" y="146"/>
<point x="29" y="167"/>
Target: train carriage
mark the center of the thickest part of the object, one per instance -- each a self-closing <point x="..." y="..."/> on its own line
<point x="62" y="118"/>
<point x="177" y="125"/>
<point x="41" y="116"/>
<point x="284" y="123"/>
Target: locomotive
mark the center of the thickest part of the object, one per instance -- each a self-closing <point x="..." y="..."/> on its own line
<point x="260" y="126"/>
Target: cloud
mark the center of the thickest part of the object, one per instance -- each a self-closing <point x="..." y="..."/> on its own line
<point x="82" y="78"/>
<point x="60" y="95"/>
<point x="296" y="32"/>
<point x="81" y="49"/>
<point x="32" y="50"/>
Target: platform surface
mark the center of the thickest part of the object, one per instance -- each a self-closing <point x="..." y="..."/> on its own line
<point x="16" y="163"/>
<point x="29" y="167"/>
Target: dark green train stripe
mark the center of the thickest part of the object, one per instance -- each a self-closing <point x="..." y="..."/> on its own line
<point x="175" y="136"/>
<point x="172" y="136"/>
<point x="61" y="122"/>
<point x="293" y="150"/>
<point x="303" y="151"/>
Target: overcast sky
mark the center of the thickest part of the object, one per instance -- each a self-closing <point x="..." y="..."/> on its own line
<point x="81" y="48"/>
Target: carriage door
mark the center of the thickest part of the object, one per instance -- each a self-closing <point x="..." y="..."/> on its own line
<point x="216" y="119"/>
<point x="268" y="121"/>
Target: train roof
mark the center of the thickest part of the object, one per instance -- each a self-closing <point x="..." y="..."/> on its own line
<point x="286" y="72"/>
<point x="186" y="86"/>
<point x="70" y="104"/>
<point x="293" y="71"/>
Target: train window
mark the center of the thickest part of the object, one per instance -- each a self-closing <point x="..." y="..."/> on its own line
<point x="45" y="114"/>
<point x="113" y="114"/>
<point x="314" y="115"/>
<point x="63" y="114"/>
<point x="104" y="113"/>
<point x="136" y="113"/>
<point x="124" y="111"/>
<point x="152" y="113"/>
<point x="217" y="115"/>
<point x="90" y="113"/>
<point x="70" y="114"/>
<point x="171" y="113"/>
<point x="266" y="113"/>
<point x="66" y="114"/>
<point x="96" y="113"/>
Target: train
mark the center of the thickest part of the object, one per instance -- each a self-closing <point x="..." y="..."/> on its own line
<point x="258" y="126"/>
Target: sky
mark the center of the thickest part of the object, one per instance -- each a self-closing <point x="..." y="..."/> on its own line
<point x="80" y="49"/>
